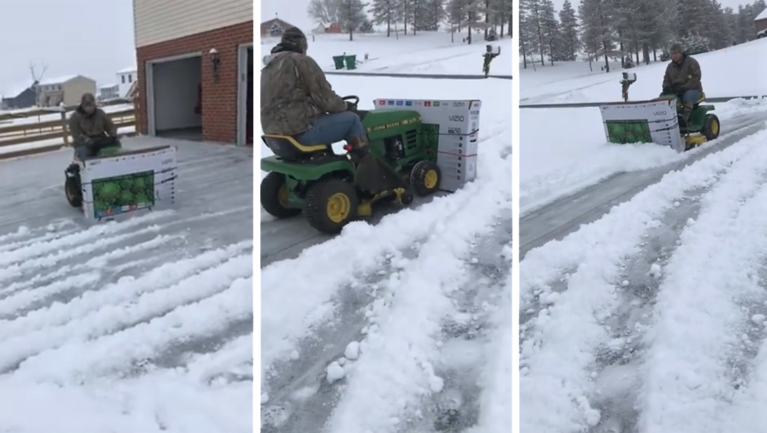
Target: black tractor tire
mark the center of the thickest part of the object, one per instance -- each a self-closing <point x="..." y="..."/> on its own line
<point x="711" y="127"/>
<point x="425" y="178"/>
<point x="326" y="197"/>
<point x="73" y="192"/>
<point x="272" y="188"/>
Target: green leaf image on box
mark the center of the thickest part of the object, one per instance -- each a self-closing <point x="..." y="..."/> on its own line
<point x="430" y="137"/>
<point x="119" y="194"/>
<point x="628" y="131"/>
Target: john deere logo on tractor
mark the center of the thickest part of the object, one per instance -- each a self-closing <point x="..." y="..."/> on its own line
<point x="393" y="124"/>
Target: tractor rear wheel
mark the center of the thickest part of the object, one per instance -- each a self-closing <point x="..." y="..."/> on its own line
<point x="425" y="178"/>
<point x="710" y="127"/>
<point x="73" y="192"/>
<point x="274" y="196"/>
<point x="331" y="204"/>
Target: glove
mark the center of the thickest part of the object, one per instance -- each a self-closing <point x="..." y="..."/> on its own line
<point x="350" y="106"/>
<point x="680" y="88"/>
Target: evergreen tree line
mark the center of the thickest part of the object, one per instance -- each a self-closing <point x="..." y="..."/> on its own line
<point x="632" y="30"/>
<point x="415" y="15"/>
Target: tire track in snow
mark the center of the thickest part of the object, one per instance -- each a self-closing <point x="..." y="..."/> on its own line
<point x="563" y="344"/>
<point x="699" y="321"/>
<point x="299" y="397"/>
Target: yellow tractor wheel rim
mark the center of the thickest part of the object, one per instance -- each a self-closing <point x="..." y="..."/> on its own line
<point x="282" y="195"/>
<point x="338" y="207"/>
<point x="715" y="127"/>
<point x="430" y="179"/>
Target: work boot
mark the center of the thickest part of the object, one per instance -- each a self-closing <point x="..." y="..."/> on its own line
<point x="371" y="174"/>
<point x="686" y="111"/>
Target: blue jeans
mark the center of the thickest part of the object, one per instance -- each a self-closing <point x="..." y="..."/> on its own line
<point x="332" y="128"/>
<point x="691" y="96"/>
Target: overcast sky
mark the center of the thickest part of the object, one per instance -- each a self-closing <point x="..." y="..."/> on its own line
<point x="292" y="11"/>
<point x="93" y="38"/>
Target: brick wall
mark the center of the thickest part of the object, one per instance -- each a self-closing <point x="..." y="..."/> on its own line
<point x="219" y="98"/>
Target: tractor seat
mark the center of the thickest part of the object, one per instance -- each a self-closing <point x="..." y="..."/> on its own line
<point x="289" y="149"/>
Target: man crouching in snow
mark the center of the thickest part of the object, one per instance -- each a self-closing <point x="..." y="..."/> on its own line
<point x="298" y="101"/>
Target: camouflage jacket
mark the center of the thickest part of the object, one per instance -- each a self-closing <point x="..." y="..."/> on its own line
<point x="97" y="125"/>
<point x="686" y="73"/>
<point x="294" y="92"/>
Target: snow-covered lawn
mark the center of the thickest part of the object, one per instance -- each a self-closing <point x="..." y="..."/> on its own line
<point x="424" y="53"/>
<point x="564" y="149"/>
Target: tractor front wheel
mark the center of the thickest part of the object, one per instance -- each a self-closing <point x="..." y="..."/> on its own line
<point x="710" y="127"/>
<point x="274" y="196"/>
<point x="330" y="205"/>
<point x="425" y="178"/>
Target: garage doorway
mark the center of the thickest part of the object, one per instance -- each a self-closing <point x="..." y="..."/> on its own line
<point x="245" y="109"/>
<point x="174" y="97"/>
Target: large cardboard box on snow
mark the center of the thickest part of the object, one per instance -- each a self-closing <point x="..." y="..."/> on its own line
<point x="130" y="182"/>
<point x="457" y="125"/>
<point x="643" y="122"/>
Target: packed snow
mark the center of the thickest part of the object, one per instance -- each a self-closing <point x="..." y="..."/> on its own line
<point x="404" y="325"/>
<point x="139" y="325"/>
<point x="557" y="161"/>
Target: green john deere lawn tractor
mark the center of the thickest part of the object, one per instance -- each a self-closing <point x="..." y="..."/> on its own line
<point x="702" y="126"/>
<point x="332" y="190"/>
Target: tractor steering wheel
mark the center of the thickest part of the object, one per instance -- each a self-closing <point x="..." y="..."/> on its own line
<point x="352" y="97"/>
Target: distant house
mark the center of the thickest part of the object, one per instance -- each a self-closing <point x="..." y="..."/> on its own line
<point x="274" y="27"/>
<point x="760" y="22"/>
<point x="110" y="91"/>
<point x="19" y="98"/>
<point x="327" y="28"/>
<point x="126" y="79"/>
<point x="67" y="90"/>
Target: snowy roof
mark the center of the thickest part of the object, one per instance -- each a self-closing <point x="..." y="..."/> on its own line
<point x="57" y="80"/>
<point x="108" y="86"/>
<point x="761" y="16"/>
<point x="128" y="70"/>
<point x="15" y="91"/>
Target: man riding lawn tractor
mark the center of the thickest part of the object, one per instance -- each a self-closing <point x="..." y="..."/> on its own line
<point x="682" y="78"/>
<point x="301" y="117"/>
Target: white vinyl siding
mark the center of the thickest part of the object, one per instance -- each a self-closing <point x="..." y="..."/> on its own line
<point x="164" y="20"/>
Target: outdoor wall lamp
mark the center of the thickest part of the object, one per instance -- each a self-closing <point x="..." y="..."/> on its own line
<point x="215" y="60"/>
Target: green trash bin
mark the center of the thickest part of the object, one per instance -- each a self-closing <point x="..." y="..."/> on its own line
<point x="351" y="62"/>
<point x="339" y="61"/>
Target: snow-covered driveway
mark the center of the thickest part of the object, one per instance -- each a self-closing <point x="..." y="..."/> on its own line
<point x="143" y="325"/>
<point x="651" y="319"/>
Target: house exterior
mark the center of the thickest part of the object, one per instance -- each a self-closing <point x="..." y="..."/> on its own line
<point x="274" y="28"/>
<point x="19" y="99"/>
<point x="172" y="28"/>
<point x="323" y="28"/>
<point x="110" y="91"/>
<point x="125" y="80"/>
<point x="760" y="22"/>
<point x="67" y="90"/>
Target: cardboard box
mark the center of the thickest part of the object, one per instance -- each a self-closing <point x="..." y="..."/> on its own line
<point x="458" y="122"/>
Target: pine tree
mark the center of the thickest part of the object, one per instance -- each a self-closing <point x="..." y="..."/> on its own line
<point x="568" y="25"/>
<point x="550" y="29"/>
<point x="383" y="11"/>
<point x="352" y="15"/>
<point x="598" y="31"/>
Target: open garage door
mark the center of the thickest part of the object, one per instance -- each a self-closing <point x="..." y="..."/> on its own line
<point x="174" y="98"/>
